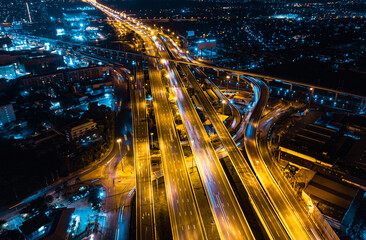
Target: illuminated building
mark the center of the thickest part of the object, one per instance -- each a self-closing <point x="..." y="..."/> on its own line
<point x="86" y="74"/>
<point x="7" y="114"/>
<point x="78" y="129"/>
<point x="42" y="80"/>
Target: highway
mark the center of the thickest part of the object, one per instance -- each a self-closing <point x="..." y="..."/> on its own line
<point x="226" y="210"/>
<point x="235" y="112"/>
<point x="265" y="124"/>
<point x="185" y="219"/>
<point x="186" y="222"/>
<point x="258" y="197"/>
<point x="229" y="218"/>
<point x="184" y="215"/>
<point x="144" y="191"/>
<point x="288" y="215"/>
<point x="292" y="216"/>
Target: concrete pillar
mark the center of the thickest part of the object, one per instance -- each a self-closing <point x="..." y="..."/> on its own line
<point x="218" y="73"/>
<point x="291" y="87"/>
<point x="336" y="97"/>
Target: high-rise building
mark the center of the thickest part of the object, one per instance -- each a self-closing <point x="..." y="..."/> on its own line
<point x="6" y="114"/>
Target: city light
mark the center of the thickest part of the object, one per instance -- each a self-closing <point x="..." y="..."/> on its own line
<point x="269" y="94"/>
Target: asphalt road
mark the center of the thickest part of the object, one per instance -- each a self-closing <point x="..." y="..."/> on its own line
<point x="144" y="197"/>
<point x="229" y="218"/>
<point x="290" y="218"/>
<point x="257" y="196"/>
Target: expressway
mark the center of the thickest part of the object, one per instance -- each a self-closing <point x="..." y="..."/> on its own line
<point x="186" y="222"/>
<point x="226" y="210"/>
<point x="144" y="192"/>
<point x="288" y="215"/>
<point x="257" y="196"/>
<point x="229" y="218"/>
<point x="294" y="220"/>
<point x="185" y="219"/>
<point x="264" y="125"/>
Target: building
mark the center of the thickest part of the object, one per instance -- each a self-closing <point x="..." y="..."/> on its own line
<point x="53" y="227"/>
<point x="75" y="97"/>
<point x="336" y="199"/>
<point x="5" y="42"/>
<point x="60" y="224"/>
<point x="78" y="129"/>
<point x="313" y="144"/>
<point x="30" y="82"/>
<point x="35" y="227"/>
<point x="7" y="114"/>
<point x="12" y="71"/>
<point x="71" y="75"/>
<point x="87" y="73"/>
<point x="39" y="63"/>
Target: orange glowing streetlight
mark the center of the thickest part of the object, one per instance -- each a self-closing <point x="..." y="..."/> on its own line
<point x="119" y="141"/>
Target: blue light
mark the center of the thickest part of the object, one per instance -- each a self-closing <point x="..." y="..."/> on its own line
<point x="60" y="32"/>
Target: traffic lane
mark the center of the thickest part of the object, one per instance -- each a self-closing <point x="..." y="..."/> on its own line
<point x="294" y="226"/>
<point x="231" y="222"/>
<point x="144" y="200"/>
<point x="182" y="205"/>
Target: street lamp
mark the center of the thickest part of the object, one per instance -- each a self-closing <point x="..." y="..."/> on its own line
<point x="152" y="140"/>
<point x="227" y="81"/>
<point x="311" y="94"/>
<point x="223" y="107"/>
<point x="212" y="228"/>
<point x="119" y="141"/>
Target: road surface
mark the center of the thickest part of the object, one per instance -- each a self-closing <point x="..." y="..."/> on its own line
<point x="144" y="191"/>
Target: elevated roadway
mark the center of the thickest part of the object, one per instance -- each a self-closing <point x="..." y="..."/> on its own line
<point x="144" y="190"/>
<point x="229" y="218"/>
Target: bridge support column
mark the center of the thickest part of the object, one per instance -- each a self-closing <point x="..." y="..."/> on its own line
<point x="291" y="87"/>
<point x="218" y="73"/>
<point x="336" y="97"/>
